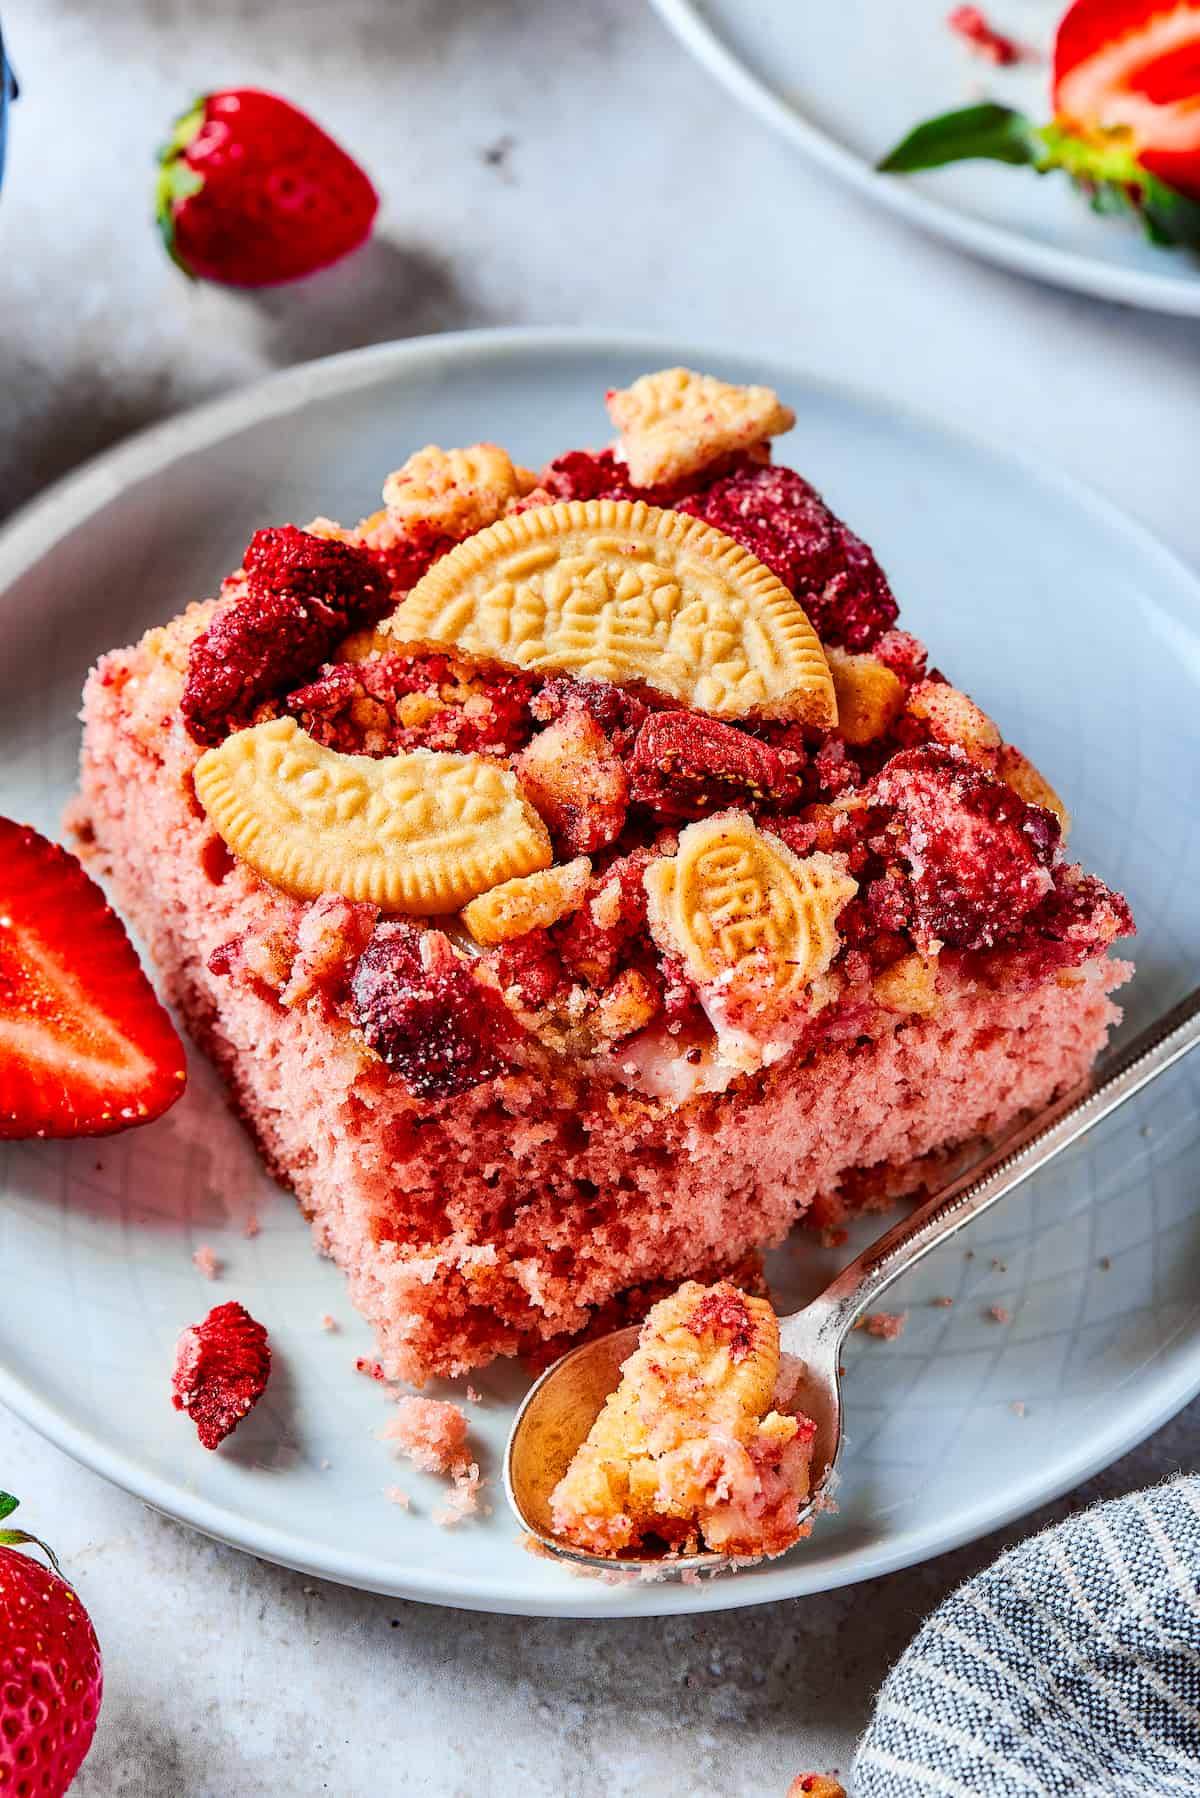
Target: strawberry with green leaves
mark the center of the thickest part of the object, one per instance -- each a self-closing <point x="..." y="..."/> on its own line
<point x="251" y="192"/>
<point x="1126" y="125"/>
<point x="85" y="1046"/>
<point x="51" y="1681"/>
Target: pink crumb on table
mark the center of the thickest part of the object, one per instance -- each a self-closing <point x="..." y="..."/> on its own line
<point x="207" y="1262"/>
<point x="982" y="38"/>
<point x="372" y="1369"/>
<point x="328" y="1322"/>
<point x="251" y="1227"/>
<point x="887" y="1325"/>
<point x="999" y="1315"/>
<point x="396" y="1495"/>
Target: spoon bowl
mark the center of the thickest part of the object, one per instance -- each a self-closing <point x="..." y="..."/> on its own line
<point x="562" y="1405"/>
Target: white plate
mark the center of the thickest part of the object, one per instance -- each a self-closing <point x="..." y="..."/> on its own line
<point x="1067" y="621"/>
<point x="847" y="81"/>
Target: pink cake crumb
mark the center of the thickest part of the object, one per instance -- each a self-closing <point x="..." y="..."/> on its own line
<point x="372" y="1369"/>
<point x="474" y="1397"/>
<point x="999" y="1315"/>
<point x="396" y="1495"/>
<point x="887" y="1325"/>
<point x="1018" y="1407"/>
<point x="251" y="1227"/>
<point x="432" y="1433"/>
<point x="328" y="1322"/>
<point x="943" y="1303"/>
<point x="207" y="1262"/>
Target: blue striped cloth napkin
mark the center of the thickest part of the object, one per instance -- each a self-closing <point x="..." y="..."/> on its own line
<point x="1070" y="1669"/>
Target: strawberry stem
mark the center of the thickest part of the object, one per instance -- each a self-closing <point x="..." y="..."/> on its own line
<point x="20" y="1538"/>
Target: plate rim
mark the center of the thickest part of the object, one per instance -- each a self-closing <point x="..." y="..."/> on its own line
<point x="998" y="244"/>
<point x="65" y="507"/>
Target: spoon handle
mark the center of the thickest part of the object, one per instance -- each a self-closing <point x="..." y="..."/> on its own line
<point x="1018" y="1154"/>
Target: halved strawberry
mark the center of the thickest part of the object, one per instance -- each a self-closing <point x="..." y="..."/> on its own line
<point x="1126" y="128"/>
<point x="251" y="192"/>
<point x="1131" y="69"/>
<point x="85" y="1046"/>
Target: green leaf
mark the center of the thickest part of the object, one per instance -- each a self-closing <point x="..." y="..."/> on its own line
<point x="176" y="179"/>
<point x="995" y="133"/>
<point x="8" y="1504"/>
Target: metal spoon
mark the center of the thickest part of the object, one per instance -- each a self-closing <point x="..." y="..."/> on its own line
<point x="561" y="1407"/>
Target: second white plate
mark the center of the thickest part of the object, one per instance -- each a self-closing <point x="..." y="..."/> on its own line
<point x="846" y="82"/>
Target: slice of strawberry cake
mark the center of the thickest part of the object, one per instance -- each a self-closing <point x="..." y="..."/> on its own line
<point x="579" y="877"/>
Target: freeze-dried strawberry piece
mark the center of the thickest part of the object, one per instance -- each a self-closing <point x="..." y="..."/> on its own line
<point x="780" y="518"/>
<point x="978" y="856"/>
<point x="424" y="1011"/>
<point x="684" y="765"/>
<point x="392" y="703"/>
<point x="597" y="474"/>
<point x="221" y="1371"/>
<point x="619" y="713"/>
<point x="594" y="942"/>
<point x="588" y="474"/>
<point x="283" y="559"/>
<point x="302" y="594"/>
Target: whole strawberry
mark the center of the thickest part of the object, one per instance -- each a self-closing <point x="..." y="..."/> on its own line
<point x="50" y="1676"/>
<point x="251" y="192"/>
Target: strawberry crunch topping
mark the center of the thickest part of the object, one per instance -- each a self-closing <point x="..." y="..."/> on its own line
<point x="782" y="520"/>
<point x="684" y="765"/>
<point x="221" y="1371"/>
<point x="746" y="873"/>
<point x="723" y="1313"/>
<point x="303" y="593"/>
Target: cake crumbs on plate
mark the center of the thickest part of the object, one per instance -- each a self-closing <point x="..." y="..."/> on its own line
<point x="372" y="1369"/>
<point x="886" y="1325"/>
<point x="942" y="1303"/>
<point x="432" y="1432"/>
<point x="396" y="1495"/>
<point x="1018" y="1407"/>
<point x="251" y="1228"/>
<point x="474" y="1397"/>
<point x="1104" y="1263"/>
<point x="999" y="1315"/>
<point x="205" y="1258"/>
<point x="328" y="1322"/>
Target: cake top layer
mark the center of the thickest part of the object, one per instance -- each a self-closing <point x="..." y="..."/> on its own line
<point x="624" y="763"/>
